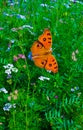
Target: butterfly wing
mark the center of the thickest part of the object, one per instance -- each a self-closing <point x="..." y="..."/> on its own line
<point x="48" y="62"/>
<point x="38" y="49"/>
<point x="40" y="61"/>
<point x="46" y="39"/>
<point x="51" y="64"/>
<point x="43" y="45"/>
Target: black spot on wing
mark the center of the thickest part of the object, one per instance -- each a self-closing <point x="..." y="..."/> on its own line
<point x="55" y="63"/>
<point x="44" y="39"/>
<point x="50" y="65"/>
<point x="53" y="60"/>
<point x="55" y="67"/>
<point x="49" y="38"/>
<point x="44" y="62"/>
<point x="48" y="34"/>
<point x="39" y="44"/>
<point x="49" y="42"/>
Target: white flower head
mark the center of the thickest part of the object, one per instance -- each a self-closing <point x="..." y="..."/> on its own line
<point x="48" y="98"/>
<point x="8" y="106"/>
<point x="72" y="89"/>
<point x="49" y="71"/>
<point x="14" y="70"/>
<point x="43" y="78"/>
<point x="77" y="51"/>
<point x="74" y="56"/>
<point x="5" y="14"/>
<point x="21" y="16"/>
<point x="12" y="41"/>
<point x="5" y="66"/>
<point x="27" y="26"/>
<point x="14" y="29"/>
<point x="8" y="66"/>
<point x="66" y="5"/>
<point x="3" y="90"/>
<point x="43" y="5"/>
<point x="12" y="4"/>
<point x="8" y="71"/>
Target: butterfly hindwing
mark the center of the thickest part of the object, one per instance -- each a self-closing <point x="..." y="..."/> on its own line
<point x="40" y="61"/>
<point x="48" y="62"/>
<point x="51" y="64"/>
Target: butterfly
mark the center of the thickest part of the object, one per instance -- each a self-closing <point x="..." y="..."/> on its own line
<point x="42" y="52"/>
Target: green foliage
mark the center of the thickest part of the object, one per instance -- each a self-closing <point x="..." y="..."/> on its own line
<point x="52" y="103"/>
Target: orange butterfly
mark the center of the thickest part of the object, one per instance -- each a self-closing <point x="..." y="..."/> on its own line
<point x="42" y="52"/>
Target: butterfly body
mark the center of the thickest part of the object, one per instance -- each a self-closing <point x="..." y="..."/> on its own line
<point x="42" y="52"/>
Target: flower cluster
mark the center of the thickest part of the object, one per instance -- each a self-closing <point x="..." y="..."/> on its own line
<point x="13" y="95"/>
<point x="8" y="106"/>
<point x="9" y="68"/>
<point x="74" y="55"/>
<point x="20" y="56"/>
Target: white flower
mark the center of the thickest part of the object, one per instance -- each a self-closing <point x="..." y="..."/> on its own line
<point x="8" y="71"/>
<point x="5" y="66"/>
<point x="48" y="98"/>
<point x="3" y="90"/>
<point x="14" y="29"/>
<point x="43" y="5"/>
<point x="72" y="89"/>
<point x="66" y="5"/>
<point x="5" y="14"/>
<point x="8" y="66"/>
<point x="49" y="71"/>
<point x="12" y="4"/>
<point x="12" y="41"/>
<point x="21" y="16"/>
<point x="77" y="51"/>
<point x="15" y="70"/>
<point x="74" y="55"/>
<point x="43" y="78"/>
<point x="27" y="26"/>
<point x="8" y="106"/>
<point x="47" y="19"/>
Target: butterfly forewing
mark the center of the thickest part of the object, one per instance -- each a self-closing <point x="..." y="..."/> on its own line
<point x="38" y="49"/>
<point x="46" y="39"/>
